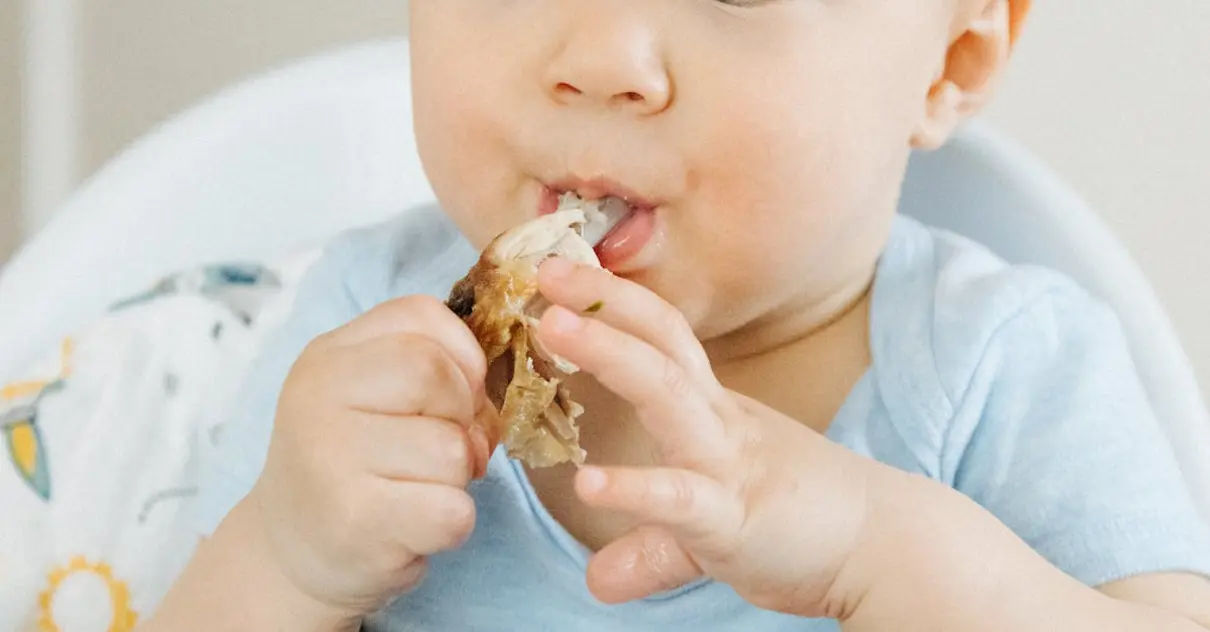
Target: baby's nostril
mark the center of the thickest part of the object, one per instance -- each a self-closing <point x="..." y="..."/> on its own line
<point x="632" y="96"/>
<point x="563" y="86"/>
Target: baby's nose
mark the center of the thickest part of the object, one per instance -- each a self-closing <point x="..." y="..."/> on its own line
<point x="613" y="62"/>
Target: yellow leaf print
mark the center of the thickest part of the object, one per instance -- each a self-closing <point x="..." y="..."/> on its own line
<point x="26" y="448"/>
<point x="28" y="455"/>
<point x="24" y="442"/>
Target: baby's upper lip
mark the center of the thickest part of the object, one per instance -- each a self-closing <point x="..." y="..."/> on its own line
<point x="600" y="187"/>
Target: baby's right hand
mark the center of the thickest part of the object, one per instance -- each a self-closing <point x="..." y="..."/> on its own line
<point x="378" y="433"/>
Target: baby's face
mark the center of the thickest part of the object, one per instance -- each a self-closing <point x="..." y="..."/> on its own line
<point x="764" y="140"/>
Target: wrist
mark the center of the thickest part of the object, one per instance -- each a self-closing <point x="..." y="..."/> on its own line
<point x="931" y="556"/>
<point x="234" y="582"/>
<point x="921" y="531"/>
<point x="889" y="529"/>
<point x="863" y="495"/>
<point x="306" y="611"/>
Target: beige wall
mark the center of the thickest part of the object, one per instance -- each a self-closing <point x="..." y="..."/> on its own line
<point x="141" y="61"/>
<point x="144" y="60"/>
<point x="10" y="124"/>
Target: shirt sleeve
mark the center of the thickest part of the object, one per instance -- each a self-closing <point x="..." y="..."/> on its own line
<point x="1066" y="451"/>
<point x="322" y="302"/>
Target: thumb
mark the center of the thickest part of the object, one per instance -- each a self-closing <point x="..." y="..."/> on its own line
<point x="641" y="563"/>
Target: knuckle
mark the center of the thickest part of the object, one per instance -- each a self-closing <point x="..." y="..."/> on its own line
<point x="675" y="380"/>
<point x="315" y="355"/>
<point x="671" y="324"/>
<point x="422" y="377"/>
<point x="682" y="497"/>
<point x="430" y="366"/>
<point x="434" y="320"/>
<point x="433" y="357"/>
<point x="420" y="350"/>
<point x="323" y="369"/>
<point x="670" y="321"/>
<point x="748" y="438"/>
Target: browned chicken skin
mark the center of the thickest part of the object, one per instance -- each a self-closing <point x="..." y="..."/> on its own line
<point x="499" y="300"/>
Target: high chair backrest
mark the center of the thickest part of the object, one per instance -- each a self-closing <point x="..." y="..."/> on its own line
<point x="985" y="186"/>
<point x="283" y="161"/>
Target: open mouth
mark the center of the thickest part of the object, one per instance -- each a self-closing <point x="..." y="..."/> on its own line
<point x="602" y="215"/>
<point x="606" y="205"/>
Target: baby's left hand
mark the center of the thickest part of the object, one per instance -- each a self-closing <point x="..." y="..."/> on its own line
<point x="744" y="494"/>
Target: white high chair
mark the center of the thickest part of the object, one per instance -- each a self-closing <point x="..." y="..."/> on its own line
<point x="285" y="160"/>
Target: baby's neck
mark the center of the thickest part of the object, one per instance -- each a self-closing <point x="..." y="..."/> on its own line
<point x="792" y="323"/>
<point x="807" y="377"/>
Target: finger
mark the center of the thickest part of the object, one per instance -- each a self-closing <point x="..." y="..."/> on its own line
<point x="417" y="315"/>
<point x="404" y="374"/>
<point x="626" y="306"/>
<point x="693" y="507"/>
<point x="419" y="449"/>
<point x="671" y="405"/>
<point x="642" y="563"/>
<point x="427" y="518"/>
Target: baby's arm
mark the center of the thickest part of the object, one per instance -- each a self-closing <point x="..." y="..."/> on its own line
<point x="374" y="443"/>
<point x="231" y="584"/>
<point x="1064" y="481"/>
<point x="344" y="462"/>
<point x="1061" y="481"/>
<point x="953" y="566"/>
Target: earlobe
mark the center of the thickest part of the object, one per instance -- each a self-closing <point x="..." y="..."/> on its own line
<point x="974" y="62"/>
<point x="942" y="116"/>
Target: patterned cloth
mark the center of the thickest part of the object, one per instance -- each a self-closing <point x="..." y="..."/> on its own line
<point x="99" y="445"/>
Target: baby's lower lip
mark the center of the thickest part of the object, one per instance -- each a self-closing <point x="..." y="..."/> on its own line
<point x="621" y="247"/>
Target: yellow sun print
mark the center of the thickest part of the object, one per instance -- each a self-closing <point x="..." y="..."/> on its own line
<point x="121" y="617"/>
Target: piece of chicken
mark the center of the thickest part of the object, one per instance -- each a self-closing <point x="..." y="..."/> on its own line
<point x="499" y="301"/>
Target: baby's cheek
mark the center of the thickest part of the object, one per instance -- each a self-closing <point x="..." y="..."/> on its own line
<point x="466" y="161"/>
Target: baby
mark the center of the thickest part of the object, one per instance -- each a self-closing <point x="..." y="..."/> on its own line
<point x="804" y="412"/>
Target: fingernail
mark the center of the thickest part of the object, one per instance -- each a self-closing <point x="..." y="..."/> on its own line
<point x="593" y="480"/>
<point x="564" y="320"/>
<point x="558" y="267"/>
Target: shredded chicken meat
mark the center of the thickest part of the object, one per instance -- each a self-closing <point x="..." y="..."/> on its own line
<point x="500" y="302"/>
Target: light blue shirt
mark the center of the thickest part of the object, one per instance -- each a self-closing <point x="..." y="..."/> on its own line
<point x="1007" y="383"/>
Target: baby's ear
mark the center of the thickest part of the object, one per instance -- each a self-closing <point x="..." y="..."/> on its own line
<point x="973" y="65"/>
